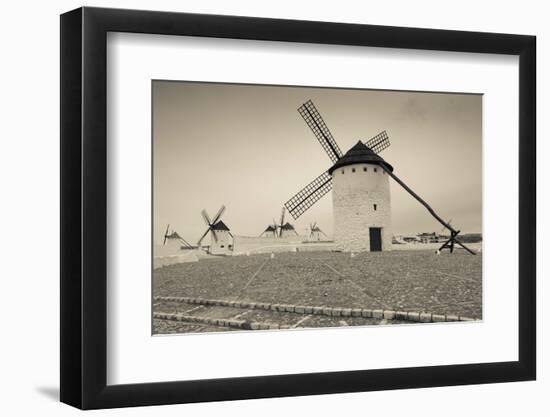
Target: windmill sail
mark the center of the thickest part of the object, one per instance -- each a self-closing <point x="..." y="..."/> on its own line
<point x="211" y="224"/>
<point x="316" y="123"/>
<point x="309" y="195"/>
<point x="218" y="214"/>
<point x="206" y="217"/>
<point x="282" y="222"/>
<point x="166" y="234"/>
<point x="321" y="185"/>
<point x="379" y="142"/>
<point x="203" y="236"/>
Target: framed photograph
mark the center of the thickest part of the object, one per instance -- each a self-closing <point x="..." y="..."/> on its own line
<point x="257" y="208"/>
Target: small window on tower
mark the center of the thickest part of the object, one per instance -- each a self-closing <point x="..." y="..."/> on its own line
<point x="222" y="245"/>
<point x="374" y="205"/>
<point x="342" y="171"/>
<point x="375" y="170"/>
<point x="353" y="170"/>
<point x="365" y="169"/>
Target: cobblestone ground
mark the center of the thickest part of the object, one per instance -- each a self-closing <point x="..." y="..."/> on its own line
<point x="417" y="281"/>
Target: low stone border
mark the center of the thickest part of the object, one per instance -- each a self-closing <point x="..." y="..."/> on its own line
<point x="422" y="317"/>
<point x="237" y="324"/>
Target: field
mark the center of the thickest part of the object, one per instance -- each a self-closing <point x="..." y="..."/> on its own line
<point x="262" y="292"/>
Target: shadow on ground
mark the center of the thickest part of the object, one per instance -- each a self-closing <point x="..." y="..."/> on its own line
<point x="50" y="392"/>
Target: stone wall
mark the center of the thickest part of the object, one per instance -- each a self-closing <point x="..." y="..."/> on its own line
<point x="354" y="194"/>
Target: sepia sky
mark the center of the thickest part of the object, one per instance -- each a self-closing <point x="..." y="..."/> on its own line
<point x="247" y="147"/>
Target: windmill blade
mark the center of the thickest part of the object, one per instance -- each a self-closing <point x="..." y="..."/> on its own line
<point x="275" y="227"/>
<point x="166" y="234"/>
<point x="214" y="234"/>
<point x="203" y="236"/>
<point x="379" y="142"/>
<point x="313" y="118"/>
<point x="309" y="195"/>
<point x="282" y="223"/>
<point x="218" y="214"/>
<point x="205" y="217"/>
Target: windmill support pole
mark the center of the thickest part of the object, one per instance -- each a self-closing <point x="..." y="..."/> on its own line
<point x="431" y="210"/>
<point x="419" y="199"/>
<point x="451" y="241"/>
<point x="445" y="244"/>
<point x="459" y="243"/>
<point x="185" y="243"/>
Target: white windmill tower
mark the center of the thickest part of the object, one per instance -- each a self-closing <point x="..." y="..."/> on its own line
<point x="221" y="239"/>
<point x="361" y="198"/>
<point x="361" y="201"/>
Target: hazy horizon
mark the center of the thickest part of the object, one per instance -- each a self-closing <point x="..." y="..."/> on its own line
<point x="246" y="146"/>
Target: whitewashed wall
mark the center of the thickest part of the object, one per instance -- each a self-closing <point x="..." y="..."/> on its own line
<point x="354" y="195"/>
<point x="223" y="240"/>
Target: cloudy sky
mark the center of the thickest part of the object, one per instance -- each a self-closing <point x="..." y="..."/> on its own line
<point x="247" y="147"/>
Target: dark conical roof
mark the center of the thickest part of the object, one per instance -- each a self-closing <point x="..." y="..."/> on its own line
<point x="360" y="153"/>
<point x="288" y="226"/>
<point x="220" y="226"/>
<point x="270" y="228"/>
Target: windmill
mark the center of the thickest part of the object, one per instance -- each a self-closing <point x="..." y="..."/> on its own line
<point x="360" y="198"/>
<point x="220" y="243"/>
<point x="285" y="228"/>
<point x="270" y="230"/>
<point x="175" y="237"/>
<point x="315" y="232"/>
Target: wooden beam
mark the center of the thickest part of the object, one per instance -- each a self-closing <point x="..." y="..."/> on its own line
<point x="454" y="232"/>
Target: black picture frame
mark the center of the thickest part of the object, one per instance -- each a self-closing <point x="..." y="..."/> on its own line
<point x="84" y="207"/>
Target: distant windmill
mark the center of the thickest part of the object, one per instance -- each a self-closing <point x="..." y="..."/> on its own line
<point x="361" y="198"/>
<point x="315" y="232"/>
<point x="285" y="229"/>
<point x="270" y="230"/>
<point x="175" y="237"/>
<point x="220" y="243"/>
